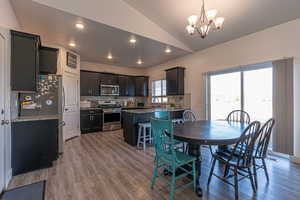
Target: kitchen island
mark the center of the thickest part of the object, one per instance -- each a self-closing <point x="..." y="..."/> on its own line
<point x="131" y="119"/>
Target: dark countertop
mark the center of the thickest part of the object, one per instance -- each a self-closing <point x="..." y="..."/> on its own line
<point x="152" y="110"/>
<point x="35" y="118"/>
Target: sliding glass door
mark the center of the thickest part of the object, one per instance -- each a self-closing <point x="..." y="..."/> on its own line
<point x="258" y="94"/>
<point x="248" y="89"/>
<point x="225" y="94"/>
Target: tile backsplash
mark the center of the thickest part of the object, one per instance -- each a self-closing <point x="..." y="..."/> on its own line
<point x="180" y="101"/>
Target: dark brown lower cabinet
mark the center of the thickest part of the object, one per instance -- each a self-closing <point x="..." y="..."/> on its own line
<point x="34" y="145"/>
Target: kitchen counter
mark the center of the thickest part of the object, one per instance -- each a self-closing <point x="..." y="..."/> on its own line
<point x="152" y="110"/>
<point x="35" y="118"/>
<point x="131" y="119"/>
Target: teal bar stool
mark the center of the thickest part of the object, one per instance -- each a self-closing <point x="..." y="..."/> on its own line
<point x="168" y="158"/>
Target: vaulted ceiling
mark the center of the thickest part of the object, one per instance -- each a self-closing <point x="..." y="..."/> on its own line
<point x="155" y="23"/>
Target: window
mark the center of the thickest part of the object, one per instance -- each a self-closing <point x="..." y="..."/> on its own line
<point x="247" y="88"/>
<point x="159" y="91"/>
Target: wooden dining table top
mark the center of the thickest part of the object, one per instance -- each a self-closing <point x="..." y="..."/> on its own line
<point x="209" y="132"/>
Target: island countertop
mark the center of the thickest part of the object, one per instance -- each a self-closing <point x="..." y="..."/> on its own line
<point x="152" y="110"/>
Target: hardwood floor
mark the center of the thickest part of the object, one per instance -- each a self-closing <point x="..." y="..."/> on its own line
<point x="102" y="166"/>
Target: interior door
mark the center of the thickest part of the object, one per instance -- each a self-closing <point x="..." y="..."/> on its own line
<point x="4" y="123"/>
<point x="71" y="110"/>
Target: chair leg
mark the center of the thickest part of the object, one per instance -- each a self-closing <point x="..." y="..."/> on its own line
<point x="265" y="168"/>
<point x="226" y="170"/>
<point x="236" y="186"/>
<point x="145" y="138"/>
<point x="173" y="184"/>
<point x="255" y="173"/>
<point x="211" y="171"/>
<point x="194" y="176"/>
<point x="211" y="151"/>
<point x="139" y="137"/>
<point x="251" y="180"/>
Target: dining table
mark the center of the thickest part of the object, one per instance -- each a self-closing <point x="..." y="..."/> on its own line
<point x="207" y="132"/>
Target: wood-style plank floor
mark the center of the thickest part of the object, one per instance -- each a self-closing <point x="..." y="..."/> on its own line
<point x="102" y="166"/>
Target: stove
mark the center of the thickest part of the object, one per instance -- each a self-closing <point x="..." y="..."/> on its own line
<point x="111" y="115"/>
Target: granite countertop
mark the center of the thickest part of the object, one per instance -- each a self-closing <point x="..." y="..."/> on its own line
<point x="91" y="108"/>
<point x="35" y="118"/>
<point x="151" y="110"/>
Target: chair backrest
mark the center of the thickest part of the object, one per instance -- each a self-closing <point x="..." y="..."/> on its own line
<point x="263" y="139"/>
<point x="162" y="115"/>
<point x="243" y="149"/>
<point x="238" y="116"/>
<point x="188" y="116"/>
<point x="164" y="144"/>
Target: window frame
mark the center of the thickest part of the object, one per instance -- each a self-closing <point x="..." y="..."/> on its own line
<point x="162" y="98"/>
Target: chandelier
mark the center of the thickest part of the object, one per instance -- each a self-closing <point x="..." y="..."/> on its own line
<point x="205" y="22"/>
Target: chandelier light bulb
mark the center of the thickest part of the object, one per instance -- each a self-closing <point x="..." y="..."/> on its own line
<point x="193" y="20"/>
<point x="219" y="22"/>
<point x="190" y="29"/>
<point x="79" y="26"/>
<point x="211" y="14"/>
<point x="168" y="50"/>
<point x="72" y="44"/>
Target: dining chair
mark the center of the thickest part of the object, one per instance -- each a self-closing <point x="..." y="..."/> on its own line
<point x="188" y="116"/>
<point x="261" y="148"/>
<point x="238" y="116"/>
<point x="168" y="158"/>
<point x="164" y="115"/>
<point x="239" y="160"/>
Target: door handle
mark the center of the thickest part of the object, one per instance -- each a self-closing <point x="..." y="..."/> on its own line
<point x="4" y="122"/>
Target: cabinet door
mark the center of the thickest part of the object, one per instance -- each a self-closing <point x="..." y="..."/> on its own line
<point x="123" y="85"/>
<point x="89" y="83"/>
<point x="141" y="86"/>
<point x="108" y="79"/>
<point x="171" y="79"/>
<point x="131" y="86"/>
<point x="24" y="61"/>
<point x="33" y="145"/>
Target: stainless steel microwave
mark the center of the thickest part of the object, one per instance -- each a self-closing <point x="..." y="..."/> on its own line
<point x="110" y="90"/>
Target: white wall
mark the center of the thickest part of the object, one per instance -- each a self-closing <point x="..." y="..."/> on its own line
<point x="98" y="67"/>
<point x="7" y="16"/>
<point x="8" y="20"/>
<point x="267" y="45"/>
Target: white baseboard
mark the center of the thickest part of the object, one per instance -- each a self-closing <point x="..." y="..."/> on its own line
<point x="8" y="177"/>
<point x="295" y="159"/>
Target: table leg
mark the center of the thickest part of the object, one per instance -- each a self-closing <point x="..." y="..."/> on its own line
<point x="195" y="150"/>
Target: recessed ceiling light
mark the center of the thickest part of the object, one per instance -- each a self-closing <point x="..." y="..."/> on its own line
<point x="79" y="26"/>
<point x="72" y="44"/>
<point x="168" y="50"/>
<point x="139" y="62"/>
<point x="109" y="56"/>
<point x="132" y="39"/>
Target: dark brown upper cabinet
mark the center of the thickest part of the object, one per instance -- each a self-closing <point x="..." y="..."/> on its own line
<point x="89" y="83"/>
<point x="24" y="61"/>
<point x="48" y="60"/>
<point x="141" y="86"/>
<point x="127" y="85"/>
<point x="175" y="81"/>
<point x="108" y="79"/>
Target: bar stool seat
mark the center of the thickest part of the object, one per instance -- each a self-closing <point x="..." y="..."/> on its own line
<point x="144" y="136"/>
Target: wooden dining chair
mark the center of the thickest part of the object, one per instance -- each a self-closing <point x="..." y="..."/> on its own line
<point x="238" y="116"/>
<point x="168" y="158"/>
<point x="188" y="116"/>
<point x="239" y="160"/>
<point x="261" y="148"/>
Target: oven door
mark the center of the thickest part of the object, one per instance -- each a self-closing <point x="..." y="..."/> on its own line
<point x="111" y="117"/>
